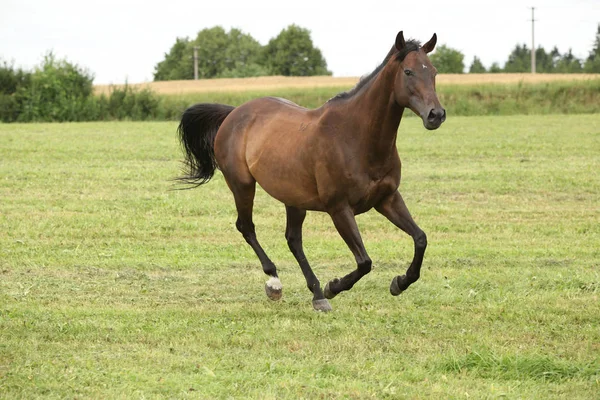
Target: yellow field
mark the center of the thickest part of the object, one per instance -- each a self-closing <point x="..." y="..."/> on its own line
<point x="281" y="82"/>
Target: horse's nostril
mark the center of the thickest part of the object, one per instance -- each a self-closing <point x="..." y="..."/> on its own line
<point x="436" y="115"/>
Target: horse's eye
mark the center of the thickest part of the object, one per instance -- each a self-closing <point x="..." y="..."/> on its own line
<point x="408" y="72"/>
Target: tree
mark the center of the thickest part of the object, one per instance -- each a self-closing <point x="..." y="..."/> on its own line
<point x="448" y="60"/>
<point x="220" y="53"/>
<point x="519" y="60"/>
<point x="292" y="53"/>
<point x="477" y="66"/>
<point x="544" y="62"/>
<point x="568" y="63"/>
<point x="172" y="67"/>
<point x="495" y="68"/>
<point x="242" y="56"/>
<point x="592" y="64"/>
<point x="555" y="55"/>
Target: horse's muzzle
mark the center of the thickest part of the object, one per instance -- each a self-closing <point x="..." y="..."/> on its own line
<point x="435" y="118"/>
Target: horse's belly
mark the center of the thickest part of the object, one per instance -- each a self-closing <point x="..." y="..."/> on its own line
<point x="287" y="181"/>
<point x="293" y="195"/>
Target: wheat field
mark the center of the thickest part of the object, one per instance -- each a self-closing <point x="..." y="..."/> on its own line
<point x="299" y="82"/>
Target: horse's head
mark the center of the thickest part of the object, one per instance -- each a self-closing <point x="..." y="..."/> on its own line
<point x="414" y="85"/>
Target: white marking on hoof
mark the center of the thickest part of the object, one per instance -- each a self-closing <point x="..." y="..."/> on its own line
<point x="274" y="283"/>
<point x="273" y="287"/>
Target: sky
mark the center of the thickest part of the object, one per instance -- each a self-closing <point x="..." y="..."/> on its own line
<point x="123" y="40"/>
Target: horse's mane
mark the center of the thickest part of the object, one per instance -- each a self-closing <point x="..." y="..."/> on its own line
<point x="411" y="45"/>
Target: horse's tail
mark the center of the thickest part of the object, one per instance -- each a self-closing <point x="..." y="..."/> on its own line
<point x="197" y="131"/>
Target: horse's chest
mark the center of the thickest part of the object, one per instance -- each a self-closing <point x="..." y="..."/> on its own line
<point x="374" y="192"/>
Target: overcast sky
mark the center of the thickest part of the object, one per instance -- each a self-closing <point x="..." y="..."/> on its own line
<point x="123" y="40"/>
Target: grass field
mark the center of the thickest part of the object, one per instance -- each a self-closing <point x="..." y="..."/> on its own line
<point x="464" y="95"/>
<point x="274" y="83"/>
<point x="113" y="286"/>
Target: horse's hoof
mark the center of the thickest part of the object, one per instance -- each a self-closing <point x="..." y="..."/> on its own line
<point x="273" y="288"/>
<point x="327" y="291"/>
<point x="395" y="289"/>
<point x="321" y="305"/>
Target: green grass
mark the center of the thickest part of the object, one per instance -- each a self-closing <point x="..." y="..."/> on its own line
<point x="568" y="97"/>
<point x="113" y="286"/>
<point x="127" y="103"/>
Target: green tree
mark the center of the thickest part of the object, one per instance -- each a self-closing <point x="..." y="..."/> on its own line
<point x="220" y="53"/>
<point x="519" y="60"/>
<point x="292" y="53"/>
<point x="592" y="64"/>
<point x="448" y="60"/>
<point x="495" y="68"/>
<point x="477" y="66"/>
<point x="555" y="55"/>
<point x="242" y="56"/>
<point x="172" y="67"/>
<point x="544" y="62"/>
<point x="568" y="63"/>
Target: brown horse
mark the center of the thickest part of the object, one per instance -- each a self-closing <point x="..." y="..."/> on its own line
<point x="340" y="158"/>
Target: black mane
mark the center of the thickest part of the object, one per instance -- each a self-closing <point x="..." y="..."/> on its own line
<point x="411" y="45"/>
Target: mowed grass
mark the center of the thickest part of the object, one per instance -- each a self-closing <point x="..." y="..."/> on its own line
<point x="114" y="286"/>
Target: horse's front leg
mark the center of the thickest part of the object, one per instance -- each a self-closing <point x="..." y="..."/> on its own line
<point x="394" y="209"/>
<point x="344" y="221"/>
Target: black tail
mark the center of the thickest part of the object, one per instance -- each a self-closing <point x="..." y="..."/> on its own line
<point x="197" y="131"/>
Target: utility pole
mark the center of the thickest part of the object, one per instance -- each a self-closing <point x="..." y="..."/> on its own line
<point x="195" y="63"/>
<point x="532" y="41"/>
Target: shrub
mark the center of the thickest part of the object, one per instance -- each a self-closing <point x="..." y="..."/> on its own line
<point x="60" y="91"/>
<point x="57" y="91"/>
<point x="11" y="79"/>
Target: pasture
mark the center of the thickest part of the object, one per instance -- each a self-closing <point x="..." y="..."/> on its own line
<point x="114" y="286"/>
<point x="463" y="95"/>
<point x="271" y="83"/>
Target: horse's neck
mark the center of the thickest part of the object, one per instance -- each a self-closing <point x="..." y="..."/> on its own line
<point x="379" y="115"/>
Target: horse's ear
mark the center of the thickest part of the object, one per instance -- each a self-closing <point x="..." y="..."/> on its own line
<point x="400" y="42"/>
<point x="429" y="46"/>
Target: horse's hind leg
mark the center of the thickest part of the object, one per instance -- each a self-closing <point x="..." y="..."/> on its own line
<point x="244" y="202"/>
<point x="293" y="235"/>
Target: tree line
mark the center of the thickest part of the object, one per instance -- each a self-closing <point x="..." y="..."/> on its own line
<point x="235" y="54"/>
<point x="58" y="90"/>
<point x="451" y="61"/>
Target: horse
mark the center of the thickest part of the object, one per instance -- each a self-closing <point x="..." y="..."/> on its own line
<point x="340" y="159"/>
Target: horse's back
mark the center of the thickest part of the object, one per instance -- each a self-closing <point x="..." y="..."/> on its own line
<point x="266" y="123"/>
<point x="272" y="140"/>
